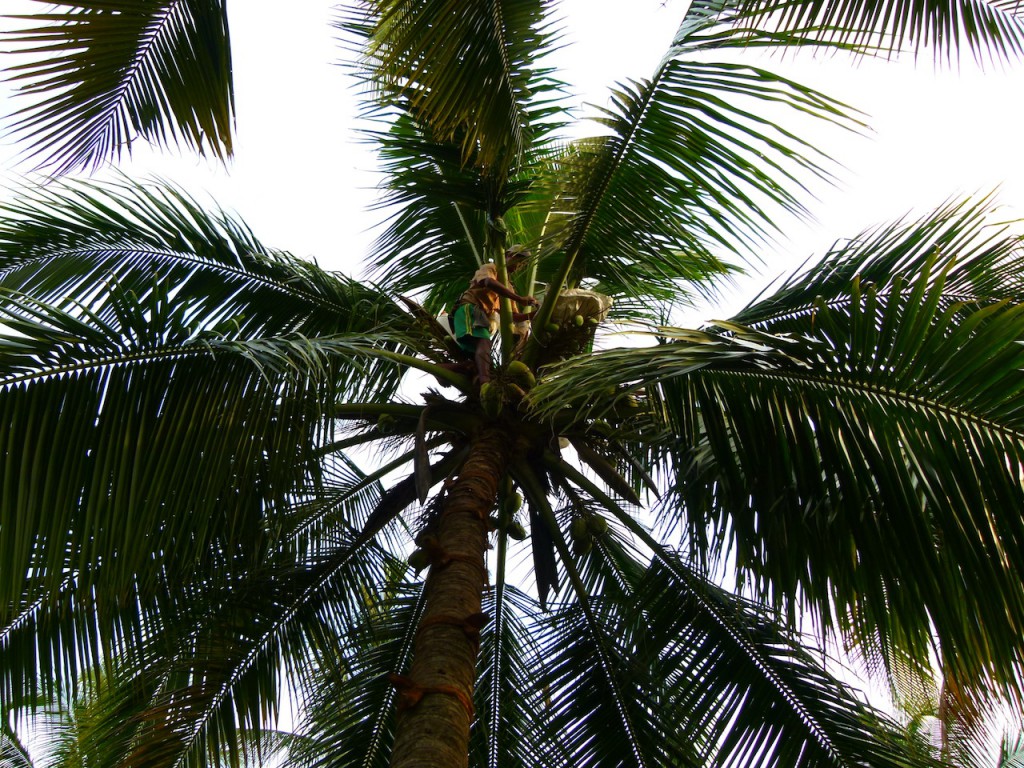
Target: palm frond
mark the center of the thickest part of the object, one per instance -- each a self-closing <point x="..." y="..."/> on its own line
<point x="859" y="451"/>
<point x="437" y="233"/>
<point x="67" y="240"/>
<point x="967" y="728"/>
<point x="985" y="28"/>
<point x="350" y="713"/>
<point x="770" y="702"/>
<point x="90" y="721"/>
<point x="1011" y="751"/>
<point x="12" y="752"/>
<point x="763" y="699"/>
<point x="224" y="680"/>
<point x="689" y="166"/>
<point x="438" y="224"/>
<point x="465" y="71"/>
<point x="259" y="748"/>
<point x="616" y="720"/>
<point x="200" y="675"/>
<point x="513" y="727"/>
<point x="102" y="75"/>
<point x="135" y="449"/>
<point x="984" y="268"/>
<point x="604" y="706"/>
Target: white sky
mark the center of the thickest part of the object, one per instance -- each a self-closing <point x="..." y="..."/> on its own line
<point x="304" y="183"/>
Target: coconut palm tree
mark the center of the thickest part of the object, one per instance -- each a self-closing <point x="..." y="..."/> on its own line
<point x="221" y="476"/>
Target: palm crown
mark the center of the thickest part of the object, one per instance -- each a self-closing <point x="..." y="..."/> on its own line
<point x="186" y="520"/>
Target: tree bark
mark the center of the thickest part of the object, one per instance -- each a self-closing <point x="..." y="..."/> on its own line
<point x="435" y="698"/>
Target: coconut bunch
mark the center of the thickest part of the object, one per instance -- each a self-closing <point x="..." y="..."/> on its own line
<point x="573" y="323"/>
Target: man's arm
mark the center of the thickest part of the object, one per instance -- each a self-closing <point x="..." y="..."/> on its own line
<point x="502" y="290"/>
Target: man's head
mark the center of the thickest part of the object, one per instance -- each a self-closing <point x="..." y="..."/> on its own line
<point x="516" y="256"/>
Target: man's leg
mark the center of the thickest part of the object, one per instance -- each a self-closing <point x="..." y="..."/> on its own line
<point x="482" y="357"/>
<point x="466" y="367"/>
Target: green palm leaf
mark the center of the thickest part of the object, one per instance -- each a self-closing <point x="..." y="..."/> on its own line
<point x="733" y="685"/>
<point x="465" y="71"/>
<point x="12" y="751"/>
<point x="282" y="389"/>
<point x="514" y="726"/>
<point x="1011" y="752"/>
<point x="590" y="687"/>
<point x="689" y="166"/>
<point x="202" y="662"/>
<point x="877" y="427"/>
<point x="984" y="266"/>
<point x="439" y="223"/>
<point x="986" y="28"/>
<point x="228" y="677"/>
<point x="764" y="699"/>
<point x="350" y="719"/>
<point x="102" y="75"/>
<point x="62" y="241"/>
<point x="441" y="212"/>
<point x="93" y="381"/>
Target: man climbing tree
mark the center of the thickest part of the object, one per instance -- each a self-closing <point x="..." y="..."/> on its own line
<point x="474" y="317"/>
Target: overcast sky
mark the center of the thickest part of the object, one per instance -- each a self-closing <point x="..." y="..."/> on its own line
<point x="304" y="182"/>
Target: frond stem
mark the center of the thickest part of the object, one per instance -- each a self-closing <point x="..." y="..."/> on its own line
<point x="458" y="421"/>
<point x="458" y="381"/>
<point x="188" y="259"/>
<point x="751" y="650"/>
<point x="105" y="361"/>
<point x="493" y="742"/>
<point x="583" y="598"/>
<point x="887" y="394"/>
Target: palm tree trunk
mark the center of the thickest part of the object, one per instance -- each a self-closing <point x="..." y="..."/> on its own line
<point x="435" y="699"/>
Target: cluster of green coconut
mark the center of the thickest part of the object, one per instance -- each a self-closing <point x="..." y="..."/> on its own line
<point x="513" y="385"/>
<point x="583" y="530"/>
<point x="386" y="424"/>
<point x="578" y="321"/>
<point x="568" y="336"/>
<point x="506" y="518"/>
